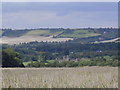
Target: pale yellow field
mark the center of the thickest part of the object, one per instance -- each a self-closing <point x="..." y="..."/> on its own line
<point x="82" y="77"/>
<point x="24" y="39"/>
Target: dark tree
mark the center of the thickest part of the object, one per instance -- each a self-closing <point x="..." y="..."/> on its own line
<point x="10" y="58"/>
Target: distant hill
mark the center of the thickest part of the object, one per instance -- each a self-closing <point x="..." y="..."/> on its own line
<point x="81" y="35"/>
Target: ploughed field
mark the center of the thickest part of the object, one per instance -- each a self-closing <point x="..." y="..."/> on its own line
<point x="80" y="77"/>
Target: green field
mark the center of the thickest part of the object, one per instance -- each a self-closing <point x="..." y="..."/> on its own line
<point x="1" y="32"/>
<point x="37" y="32"/>
<point x="81" y="31"/>
<point x="42" y="33"/>
<point x="26" y="63"/>
<point x="80" y="34"/>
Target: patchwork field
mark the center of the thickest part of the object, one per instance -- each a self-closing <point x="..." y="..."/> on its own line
<point x="42" y="33"/>
<point x="79" y="34"/>
<point x="45" y="35"/>
<point x="58" y="35"/>
<point x="82" y="77"/>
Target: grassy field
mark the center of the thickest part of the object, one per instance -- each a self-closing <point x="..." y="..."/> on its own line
<point x="81" y="31"/>
<point x="82" y="77"/>
<point x="56" y="33"/>
<point x="37" y="32"/>
<point x="42" y="33"/>
<point x="1" y="32"/>
<point x="80" y="34"/>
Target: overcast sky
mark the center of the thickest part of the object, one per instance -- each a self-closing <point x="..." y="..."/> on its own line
<point x="60" y="14"/>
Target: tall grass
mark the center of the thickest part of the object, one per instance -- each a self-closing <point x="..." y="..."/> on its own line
<point x="82" y="77"/>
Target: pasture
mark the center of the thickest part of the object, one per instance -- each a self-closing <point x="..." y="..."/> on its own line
<point x="79" y="34"/>
<point x="81" y="77"/>
<point x="42" y="33"/>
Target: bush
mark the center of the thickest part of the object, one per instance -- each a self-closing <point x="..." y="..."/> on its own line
<point x="10" y="58"/>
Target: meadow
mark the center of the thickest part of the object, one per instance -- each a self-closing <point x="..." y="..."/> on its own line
<point x="42" y="33"/>
<point x="79" y="34"/>
<point x="80" y="77"/>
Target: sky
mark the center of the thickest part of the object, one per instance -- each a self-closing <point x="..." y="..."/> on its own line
<point x="59" y="0"/>
<point x="20" y="15"/>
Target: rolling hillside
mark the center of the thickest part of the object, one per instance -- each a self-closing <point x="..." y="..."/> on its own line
<point x="59" y="34"/>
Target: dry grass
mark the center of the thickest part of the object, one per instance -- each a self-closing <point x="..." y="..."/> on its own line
<point x="24" y="39"/>
<point x="82" y="77"/>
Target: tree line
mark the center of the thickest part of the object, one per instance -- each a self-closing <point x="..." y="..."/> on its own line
<point x="64" y="54"/>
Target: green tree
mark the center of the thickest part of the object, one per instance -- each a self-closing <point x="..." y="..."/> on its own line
<point x="42" y="56"/>
<point x="10" y="58"/>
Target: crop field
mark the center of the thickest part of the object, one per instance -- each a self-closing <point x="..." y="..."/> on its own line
<point x="42" y="33"/>
<point x="79" y="34"/>
<point x="37" y="32"/>
<point x="81" y="31"/>
<point x="74" y="34"/>
<point x="24" y="39"/>
<point x="81" y="77"/>
<point x="1" y="32"/>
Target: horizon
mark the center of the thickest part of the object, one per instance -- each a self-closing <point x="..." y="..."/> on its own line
<point x="60" y="28"/>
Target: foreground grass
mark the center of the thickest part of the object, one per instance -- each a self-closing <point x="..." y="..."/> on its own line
<point x="82" y="77"/>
